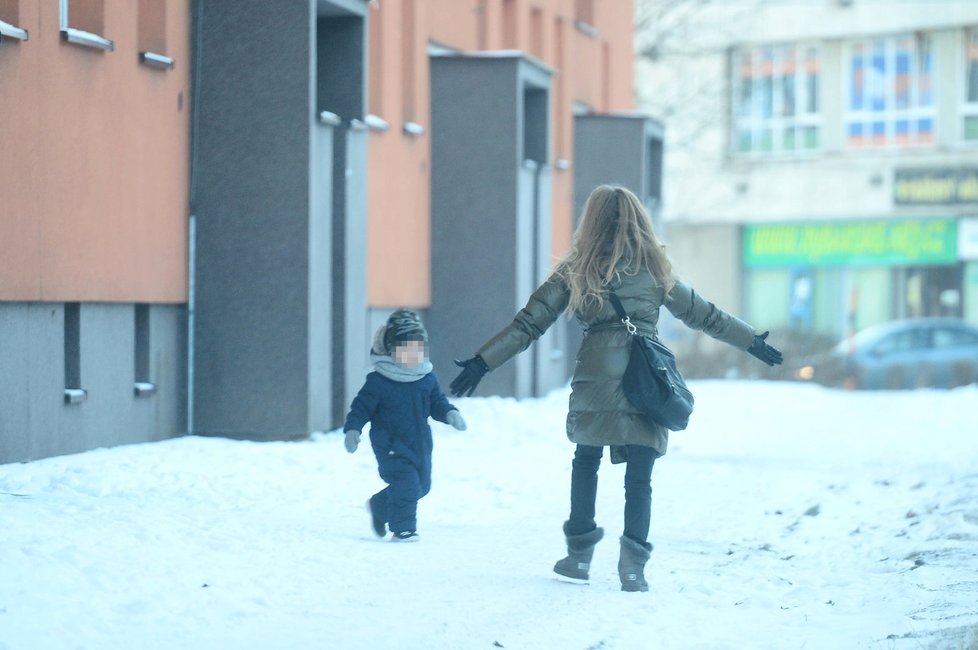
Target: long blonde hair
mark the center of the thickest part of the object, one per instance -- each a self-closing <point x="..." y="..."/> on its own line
<point x="615" y="237"/>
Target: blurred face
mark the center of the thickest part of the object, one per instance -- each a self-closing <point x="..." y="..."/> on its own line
<point x="409" y="354"/>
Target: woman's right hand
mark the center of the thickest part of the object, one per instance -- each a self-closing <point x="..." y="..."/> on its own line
<point x="472" y="373"/>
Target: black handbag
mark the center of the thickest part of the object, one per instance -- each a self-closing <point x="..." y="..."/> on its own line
<point x="651" y="382"/>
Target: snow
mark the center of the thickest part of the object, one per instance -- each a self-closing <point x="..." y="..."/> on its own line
<point x="785" y="516"/>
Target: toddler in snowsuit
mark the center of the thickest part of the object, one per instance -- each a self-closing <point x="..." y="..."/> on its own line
<point x="397" y="399"/>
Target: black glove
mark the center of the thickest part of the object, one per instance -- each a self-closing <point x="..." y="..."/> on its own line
<point x="766" y="353"/>
<point x="472" y="372"/>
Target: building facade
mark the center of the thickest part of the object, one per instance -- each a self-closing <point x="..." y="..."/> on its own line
<point x="822" y="167"/>
<point x="208" y="205"/>
<point x="95" y="126"/>
<point x="475" y="181"/>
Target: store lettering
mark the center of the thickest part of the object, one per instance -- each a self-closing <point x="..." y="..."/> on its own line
<point x="935" y="186"/>
<point x="842" y="243"/>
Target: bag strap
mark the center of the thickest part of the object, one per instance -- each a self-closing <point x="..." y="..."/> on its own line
<point x="622" y="314"/>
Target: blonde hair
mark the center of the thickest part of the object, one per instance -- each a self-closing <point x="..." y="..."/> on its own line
<point x="615" y="237"/>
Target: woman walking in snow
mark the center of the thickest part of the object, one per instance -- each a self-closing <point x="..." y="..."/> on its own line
<point x="615" y="248"/>
<point x="397" y="399"/>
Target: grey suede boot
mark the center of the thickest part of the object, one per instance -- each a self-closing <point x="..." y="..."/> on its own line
<point x="580" y="549"/>
<point x="631" y="565"/>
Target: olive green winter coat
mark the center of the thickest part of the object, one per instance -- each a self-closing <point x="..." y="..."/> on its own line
<point x="600" y="414"/>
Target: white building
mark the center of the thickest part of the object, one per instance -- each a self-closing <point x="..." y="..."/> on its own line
<point x="821" y="165"/>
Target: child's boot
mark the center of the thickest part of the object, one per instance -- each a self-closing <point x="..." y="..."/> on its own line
<point x="377" y="522"/>
<point x="631" y="565"/>
<point x="580" y="549"/>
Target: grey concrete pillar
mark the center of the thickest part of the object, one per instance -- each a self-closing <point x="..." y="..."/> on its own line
<point x="490" y="209"/>
<point x="266" y="204"/>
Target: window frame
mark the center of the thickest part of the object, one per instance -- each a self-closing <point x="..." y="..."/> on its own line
<point x="81" y="37"/>
<point x="969" y="109"/>
<point x="777" y="123"/>
<point x="914" y="113"/>
<point x="10" y="30"/>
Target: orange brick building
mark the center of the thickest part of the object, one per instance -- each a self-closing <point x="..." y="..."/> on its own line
<point x="206" y="206"/>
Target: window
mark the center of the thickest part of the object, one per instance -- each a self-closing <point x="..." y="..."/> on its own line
<point x="776" y="99"/>
<point x="509" y="25"/>
<point x="536" y="33"/>
<point x="905" y="341"/>
<point x="970" y="110"/>
<point x="9" y="19"/>
<point x="152" y="34"/>
<point x="142" y="386"/>
<point x="559" y="89"/>
<point x="408" y="54"/>
<point x="10" y="11"/>
<point x="82" y="23"/>
<point x="74" y="393"/>
<point x="376" y="62"/>
<point x="946" y="337"/>
<point x="584" y="11"/>
<point x="891" y="92"/>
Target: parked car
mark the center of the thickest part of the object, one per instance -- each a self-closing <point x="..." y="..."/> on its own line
<point x="916" y="353"/>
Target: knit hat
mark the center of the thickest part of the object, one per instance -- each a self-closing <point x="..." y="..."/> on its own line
<point x="403" y="325"/>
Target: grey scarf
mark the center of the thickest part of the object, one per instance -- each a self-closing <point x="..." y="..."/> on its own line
<point x="386" y="366"/>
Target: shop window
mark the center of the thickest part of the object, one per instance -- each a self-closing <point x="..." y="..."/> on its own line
<point x="83" y="23"/>
<point x="152" y="34"/>
<point x="9" y="21"/>
<point x="970" y="109"/>
<point x="891" y="92"/>
<point x="776" y="99"/>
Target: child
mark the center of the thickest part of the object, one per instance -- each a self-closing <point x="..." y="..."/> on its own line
<point x="397" y="399"/>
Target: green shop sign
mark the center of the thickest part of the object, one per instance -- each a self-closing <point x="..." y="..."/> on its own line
<point x="884" y="242"/>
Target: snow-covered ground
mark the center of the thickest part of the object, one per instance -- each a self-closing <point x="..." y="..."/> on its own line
<point x="786" y="516"/>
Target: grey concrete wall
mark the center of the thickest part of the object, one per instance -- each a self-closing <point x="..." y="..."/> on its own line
<point x="491" y="213"/>
<point x="475" y="158"/>
<point x="616" y="149"/>
<point x="271" y="199"/>
<point x="253" y="210"/>
<point x="613" y="149"/>
<point x="36" y="423"/>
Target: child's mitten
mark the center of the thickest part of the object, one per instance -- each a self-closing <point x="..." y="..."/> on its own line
<point x="352" y="440"/>
<point x="455" y="419"/>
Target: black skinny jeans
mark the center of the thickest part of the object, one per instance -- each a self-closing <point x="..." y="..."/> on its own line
<point x="638" y="491"/>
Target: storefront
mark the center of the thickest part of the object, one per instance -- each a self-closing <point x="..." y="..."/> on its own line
<point x="832" y="277"/>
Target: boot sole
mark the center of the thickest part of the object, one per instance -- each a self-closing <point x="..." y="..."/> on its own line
<point x="560" y="577"/>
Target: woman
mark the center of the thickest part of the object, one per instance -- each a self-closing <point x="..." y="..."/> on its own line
<point x="614" y="248"/>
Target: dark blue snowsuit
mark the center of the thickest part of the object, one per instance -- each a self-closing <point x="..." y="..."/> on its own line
<point x="401" y="439"/>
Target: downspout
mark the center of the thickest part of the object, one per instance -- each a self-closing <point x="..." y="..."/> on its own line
<point x="197" y="26"/>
